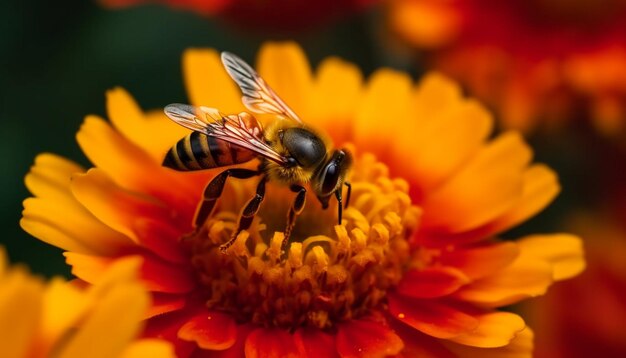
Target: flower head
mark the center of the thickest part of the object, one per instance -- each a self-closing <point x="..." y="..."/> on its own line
<point x="64" y="320"/>
<point x="539" y="63"/>
<point x="415" y="267"/>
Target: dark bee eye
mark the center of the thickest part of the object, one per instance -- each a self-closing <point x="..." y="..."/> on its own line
<point x="330" y="177"/>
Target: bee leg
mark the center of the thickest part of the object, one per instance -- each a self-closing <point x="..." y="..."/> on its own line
<point x="347" y="184"/>
<point x="214" y="190"/>
<point x="340" y="206"/>
<point x="295" y="210"/>
<point x="247" y="214"/>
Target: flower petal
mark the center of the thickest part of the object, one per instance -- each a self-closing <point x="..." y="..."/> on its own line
<point x="495" y="329"/>
<point x="388" y="95"/>
<point x="131" y="167"/>
<point x="155" y="274"/>
<point x="364" y="338"/>
<point x="113" y="205"/>
<point x="164" y="303"/>
<point x="563" y="251"/>
<point x="210" y="330"/>
<point x="154" y="133"/>
<point x="435" y="318"/>
<point x="337" y="94"/>
<point x="285" y="68"/>
<point x="114" y="322"/>
<point x="70" y="227"/>
<point x="520" y="347"/>
<point x="484" y="189"/>
<point x="153" y="348"/>
<point x="20" y="310"/>
<point x="480" y="261"/>
<point x="208" y="83"/>
<point x="161" y="239"/>
<point x="431" y="282"/>
<point x="418" y="344"/>
<point x="236" y="350"/>
<point x="540" y="187"/>
<point x="50" y="177"/>
<point x="525" y="277"/>
<point x="446" y="140"/>
<point x="313" y="342"/>
<point x="270" y="343"/>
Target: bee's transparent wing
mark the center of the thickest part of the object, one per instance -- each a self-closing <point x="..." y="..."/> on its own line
<point x="258" y="96"/>
<point x="245" y="132"/>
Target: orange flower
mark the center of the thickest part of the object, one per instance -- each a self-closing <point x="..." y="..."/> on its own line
<point x="415" y="267"/>
<point x="62" y="320"/>
<point x="268" y="16"/>
<point x="539" y="63"/>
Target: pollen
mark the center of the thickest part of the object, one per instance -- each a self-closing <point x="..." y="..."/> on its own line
<point x="329" y="273"/>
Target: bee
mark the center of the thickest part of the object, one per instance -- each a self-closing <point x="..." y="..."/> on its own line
<point x="290" y="152"/>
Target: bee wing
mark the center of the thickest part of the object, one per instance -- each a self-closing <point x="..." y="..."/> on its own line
<point x="246" y="133"/>
<point x="258" y="96"/>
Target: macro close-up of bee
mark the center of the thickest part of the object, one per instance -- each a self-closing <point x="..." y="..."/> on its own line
<point x="290" y="152"/>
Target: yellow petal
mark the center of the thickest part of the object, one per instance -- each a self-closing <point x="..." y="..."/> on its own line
<point x="20" y="310"/>
<point x="63" y="306"/>
<point x="384" y="111"/>
<point x="152" y="348"/>
<point x="114" y="322"/>
<point x="70" y="227"/>
<point x="525" y="277"/>
<point x="563" y="251"/>
<point x="113" y="205"/>
<point x="495" y="329"/>
<point x="50" y="177"/>
<point x="443" y="142"/>
<point x="131" y="167"/>
<point x="208" y="83"/>
<point x="285" y="68"/>
<point x="336" y="97"/>
<point x="153" y="131"/>
<point x="484" y="189"/>
<point x="541" y="186"/>
<point x="520" y="347"/>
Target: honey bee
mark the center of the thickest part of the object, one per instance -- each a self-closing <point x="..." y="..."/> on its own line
<point x="290" y="152"/>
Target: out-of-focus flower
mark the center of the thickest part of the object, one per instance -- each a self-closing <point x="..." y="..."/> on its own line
<point x="415" y="268"/>
<point x="60" y="319"/>
<point x="538" y="63"/>
<point x="585" y="316"/>
<point x="264" y="15"/>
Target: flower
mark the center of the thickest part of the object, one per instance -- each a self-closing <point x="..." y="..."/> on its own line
<point x="416" y="266"/>
<point x="63" y="320"/>
<point x="278" y="16"/>
<point x="539" y="63"/>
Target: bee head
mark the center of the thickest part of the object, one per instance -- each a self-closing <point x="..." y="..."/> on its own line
<point x="304" y="147"/>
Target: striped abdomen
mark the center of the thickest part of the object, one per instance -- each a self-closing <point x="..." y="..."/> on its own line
<point x="198" y="151"/>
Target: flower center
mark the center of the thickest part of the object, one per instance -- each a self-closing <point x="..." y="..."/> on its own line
<point x="329" y="273"/>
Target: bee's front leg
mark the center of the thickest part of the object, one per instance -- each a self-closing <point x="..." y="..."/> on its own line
<point x="295" y="210"/>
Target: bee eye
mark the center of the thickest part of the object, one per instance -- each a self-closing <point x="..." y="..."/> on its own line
<point x="330" y="177"/>
<point x="291" y="162"/>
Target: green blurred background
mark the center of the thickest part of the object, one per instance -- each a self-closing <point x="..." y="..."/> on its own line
<point x="59" y="58"/>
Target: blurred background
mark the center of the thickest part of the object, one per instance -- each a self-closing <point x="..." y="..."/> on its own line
<point x="554" y="69"/>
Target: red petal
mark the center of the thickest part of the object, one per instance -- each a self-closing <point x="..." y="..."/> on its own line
<point x="210" y="330"/>
<point x="418" y="344"/>
<point x="161" y="276"/>
<point x="313" y="342"/>
<point x="432" y="317"/>
<point x="363" y="338"/>
<point x="160" y="238"/>
<point x="164" y="303"/>
<point x="235" y="351"/>
<point x="166" y="327"/>
<point x="270" y="342"/>
<point x="431" y="282"/>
